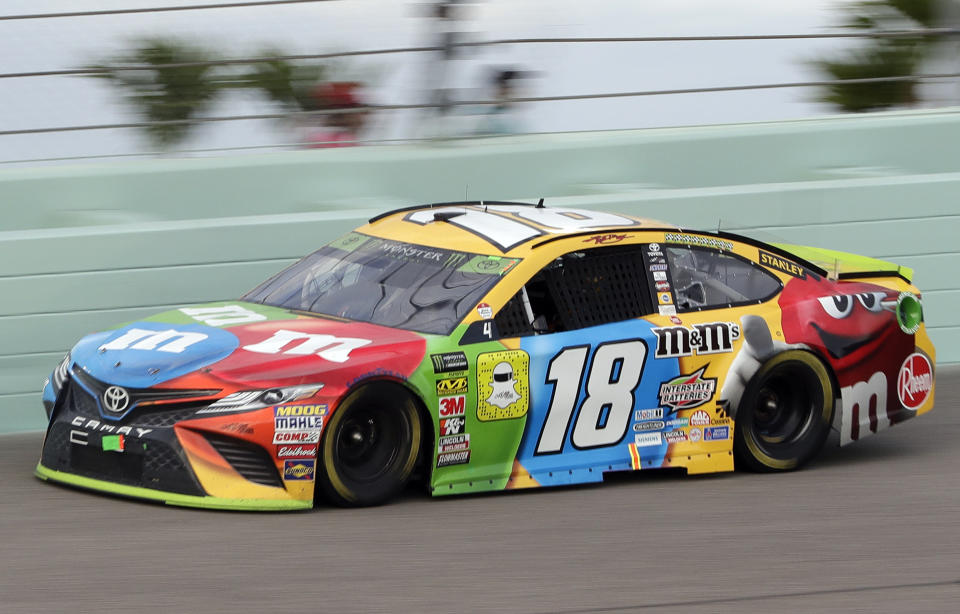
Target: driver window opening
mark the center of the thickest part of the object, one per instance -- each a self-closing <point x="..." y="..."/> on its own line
<point x="578" y="290"/>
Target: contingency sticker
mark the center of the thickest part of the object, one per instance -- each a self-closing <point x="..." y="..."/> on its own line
<point x="489" y="265"/>
<point x="503" y="385"/>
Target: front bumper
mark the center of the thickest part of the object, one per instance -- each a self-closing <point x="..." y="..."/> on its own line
<point x="163" y="454"/>
<point x="136" y="492"/>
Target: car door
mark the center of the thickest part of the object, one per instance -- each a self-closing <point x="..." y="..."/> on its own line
<point x="592" y="373"/>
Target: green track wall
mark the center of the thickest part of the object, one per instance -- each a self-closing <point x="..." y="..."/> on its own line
<point x="85" y="247"/>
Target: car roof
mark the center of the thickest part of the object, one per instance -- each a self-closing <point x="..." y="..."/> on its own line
<point x="499" y="228"/>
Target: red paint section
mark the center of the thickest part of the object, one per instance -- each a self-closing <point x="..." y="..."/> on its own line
<point x="856" y="332"/>
<point x="309" y="350"/>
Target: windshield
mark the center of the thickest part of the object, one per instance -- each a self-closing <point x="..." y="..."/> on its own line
<point x="385" y="282"/>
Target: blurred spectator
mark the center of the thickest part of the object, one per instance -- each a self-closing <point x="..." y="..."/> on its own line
<point x="338" y="129"/>
<point x="502" y="118"/>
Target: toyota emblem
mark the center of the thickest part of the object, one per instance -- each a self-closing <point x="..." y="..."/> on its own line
<point x="115" y="399"/>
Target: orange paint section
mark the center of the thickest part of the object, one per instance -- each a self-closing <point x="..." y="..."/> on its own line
<point x="520" y="478"/>
<point x="219" y="479"/>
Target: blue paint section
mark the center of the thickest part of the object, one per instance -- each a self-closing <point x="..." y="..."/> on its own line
<point x="574" y="465"/>
<point x="142" y="361"/>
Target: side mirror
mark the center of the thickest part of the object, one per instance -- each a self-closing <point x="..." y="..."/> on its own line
<point x="693" y="295"/>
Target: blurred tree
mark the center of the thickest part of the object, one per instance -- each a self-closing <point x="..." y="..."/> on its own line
<point x="881" y="57"/>
<point x="180" y="81"/>
<point x="164" y="93"/>
<point x="289" y="84"/>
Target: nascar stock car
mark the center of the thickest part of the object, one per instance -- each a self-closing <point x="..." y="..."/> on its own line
<point x="492" y="346"/>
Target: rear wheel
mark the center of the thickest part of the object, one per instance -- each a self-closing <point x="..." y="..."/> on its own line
<point x="785" y="413"/>
<point x="370" y="446"/>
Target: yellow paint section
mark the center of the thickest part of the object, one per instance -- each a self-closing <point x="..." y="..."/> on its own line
<point x="711" y="462"/>
<point x="221" y="480"/>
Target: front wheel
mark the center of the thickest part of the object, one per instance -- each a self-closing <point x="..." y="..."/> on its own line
<point x="370" y="446"/>
<point x="785" y="413"/>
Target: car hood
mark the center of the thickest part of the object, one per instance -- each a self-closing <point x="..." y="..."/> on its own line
<point x="244" y="343"/>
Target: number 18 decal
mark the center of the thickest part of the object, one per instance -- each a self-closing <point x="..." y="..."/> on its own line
<point x="604" y="415"/>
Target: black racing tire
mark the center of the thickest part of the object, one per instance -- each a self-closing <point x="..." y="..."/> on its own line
<point x="370" y="446"/>
<point x="785" y="413"/>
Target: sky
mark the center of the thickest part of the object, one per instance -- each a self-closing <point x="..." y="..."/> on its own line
<point x="342" y="25"/>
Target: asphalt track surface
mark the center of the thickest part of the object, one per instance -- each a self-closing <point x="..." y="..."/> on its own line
<point x="869" y="528"/>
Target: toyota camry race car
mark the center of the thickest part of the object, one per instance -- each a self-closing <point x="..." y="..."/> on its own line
<point x="492" y="346"/>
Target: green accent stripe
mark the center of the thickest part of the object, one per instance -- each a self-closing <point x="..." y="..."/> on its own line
<point x="214" y="503"/>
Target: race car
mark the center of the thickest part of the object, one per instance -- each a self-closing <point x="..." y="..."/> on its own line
<point x="492" y="346"/>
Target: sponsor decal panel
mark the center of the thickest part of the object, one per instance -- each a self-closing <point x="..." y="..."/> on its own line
<point x="914" y="381"/>
<point x="643" y="440"/>
<point x="695" y="434"/>
<point x="648" y="414"/>
<point x="678" y="422"/>
<point x="781" y="264"/>
<point x="298" y="423"/>
<point x="452" y="406"/>
<point x="707" y="338"/>
<point x="449" y="362"/>
<point x="698" y="240"/>
<point x="300" y="410"/>
<point x="485" y="311"/>
<point x="700" y="418"/>
<point x="299" y="469"/>
<point x="453" y="458"/>
<point x="453" y="443"/>
<point x="655" y="425"/>
<point x="503" y="385"/>
<point x="714" y="433"/>
<point x="675" y="436"/>
<point x="282" y="437"/>
<point x="452" y="426"/>
<point x="299" y="418"/>
<point x="297" y="451"/>
<point x="452" y="385"/>
<point x="687" y="391"/>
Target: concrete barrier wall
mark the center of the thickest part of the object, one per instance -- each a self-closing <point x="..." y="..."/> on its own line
<point x="86" y="247"/>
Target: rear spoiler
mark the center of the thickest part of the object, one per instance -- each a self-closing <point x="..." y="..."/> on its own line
<point x="843" y="265"/>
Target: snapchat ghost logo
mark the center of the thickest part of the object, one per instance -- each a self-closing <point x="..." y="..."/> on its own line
<point x="503" y="385"/>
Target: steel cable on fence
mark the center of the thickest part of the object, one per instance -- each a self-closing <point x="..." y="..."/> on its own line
<point x="467" y="103"/>
<point x="484" y="43"/>
<point x="155" y="9"/>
